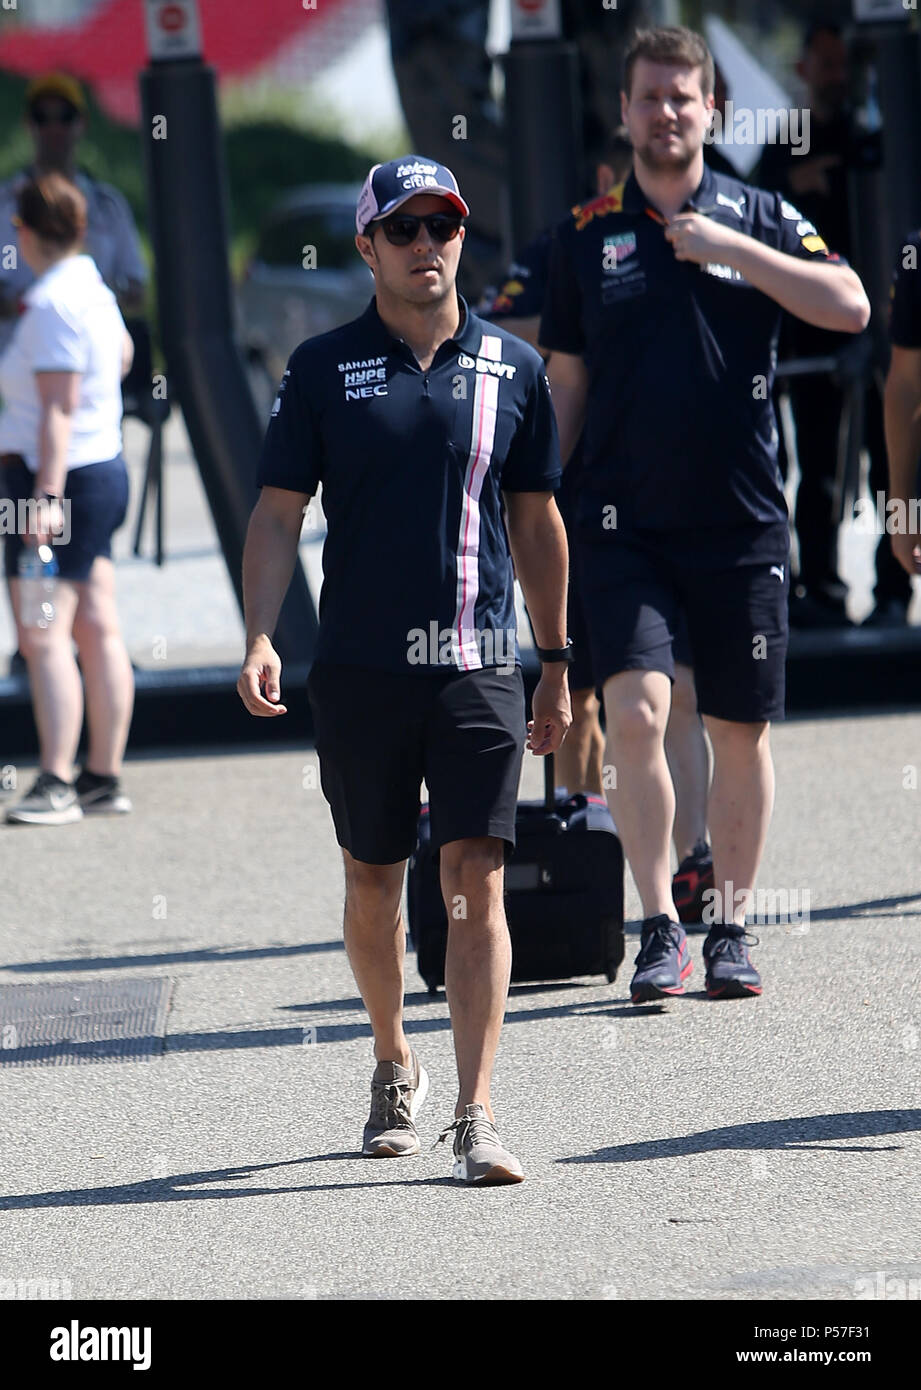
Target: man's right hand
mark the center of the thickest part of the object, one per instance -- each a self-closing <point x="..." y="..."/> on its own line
<point x="261" y="666"/>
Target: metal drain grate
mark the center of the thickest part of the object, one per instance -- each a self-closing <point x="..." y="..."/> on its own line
<point x="91" y="1021"/>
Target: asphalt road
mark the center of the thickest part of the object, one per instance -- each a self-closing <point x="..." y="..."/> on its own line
<point x="739" y="1150"/>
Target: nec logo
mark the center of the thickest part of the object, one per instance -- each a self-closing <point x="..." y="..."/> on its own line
<point x="486" y="364"/>
<point x="364" y="379"/>
<point x="360" y="393"/>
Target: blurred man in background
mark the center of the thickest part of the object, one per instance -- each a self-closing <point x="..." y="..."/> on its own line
<point x="55" y="117"/>
<point x="580" y="761"/>
<point x="817" y="183"/>
<point x="663" y="309"/>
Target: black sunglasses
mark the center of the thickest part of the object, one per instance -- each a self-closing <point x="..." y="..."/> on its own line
<point x="41" y="116"/>
<point x="403" y="229"/>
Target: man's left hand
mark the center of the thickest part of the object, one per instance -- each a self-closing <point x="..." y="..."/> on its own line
<point x="552" y="711"/>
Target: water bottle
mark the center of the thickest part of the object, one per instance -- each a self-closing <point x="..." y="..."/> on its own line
<point x="37" y="570"/>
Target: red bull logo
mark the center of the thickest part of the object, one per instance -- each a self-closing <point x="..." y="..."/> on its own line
<point x="612" y="201"/>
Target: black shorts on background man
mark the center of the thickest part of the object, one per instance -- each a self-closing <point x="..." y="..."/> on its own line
<point x="661" y="318"/>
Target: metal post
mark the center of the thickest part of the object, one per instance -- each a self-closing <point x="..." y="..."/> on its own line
<point x="186" y="195"/>
<point x="543" y="121"/>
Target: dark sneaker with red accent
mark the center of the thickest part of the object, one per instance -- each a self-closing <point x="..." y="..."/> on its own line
<point x="730" y="973"/>
<point x="693" y="879"/>
<point x="663" y="963"/>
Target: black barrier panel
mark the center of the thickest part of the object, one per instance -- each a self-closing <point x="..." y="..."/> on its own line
<point x="188" y="219"/>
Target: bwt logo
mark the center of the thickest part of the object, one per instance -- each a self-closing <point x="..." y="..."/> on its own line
<point x="486" y="364"/>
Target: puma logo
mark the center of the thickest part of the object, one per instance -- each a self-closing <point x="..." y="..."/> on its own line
<point x="778" y="570"/>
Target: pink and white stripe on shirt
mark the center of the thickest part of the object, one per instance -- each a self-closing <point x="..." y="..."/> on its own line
<point x="465" y="648"/>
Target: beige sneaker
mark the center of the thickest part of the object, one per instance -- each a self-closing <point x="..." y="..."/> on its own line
<point x="478" y="1154"/>
<point x="397" y="1094"/>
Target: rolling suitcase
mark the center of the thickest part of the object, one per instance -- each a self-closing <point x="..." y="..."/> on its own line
<point x="564" y="891"/>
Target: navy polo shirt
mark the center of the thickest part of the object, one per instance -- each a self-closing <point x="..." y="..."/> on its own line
<point x="680" y="434"/>
<point x="522" y="292"/>
<point x="417" y="572"/>
<point x="905" y="304"/>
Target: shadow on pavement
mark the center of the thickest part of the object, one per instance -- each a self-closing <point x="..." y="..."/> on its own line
<point x="870" y="908"/>
<point x="176" y="1187"/>
<point x="321" y="1033"/>
<point x="209" y="955"/>
<point x="804" y="1132"/>
<point x="325" y="1033"/>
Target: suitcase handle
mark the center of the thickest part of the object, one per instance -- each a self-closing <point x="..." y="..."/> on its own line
<point x="549" y="783"/>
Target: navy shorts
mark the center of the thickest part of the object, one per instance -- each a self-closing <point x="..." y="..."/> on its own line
<point x="581" y="670"/>
<point x="379" y="733"/>
<point x="98" y="504"/>
<point x="636" y="588"/>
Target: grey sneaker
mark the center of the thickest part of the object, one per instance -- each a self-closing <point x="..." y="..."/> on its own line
<point x="397" y="1094"/>
<point x="49" y="801"/>
<point x="478" y="1154"/>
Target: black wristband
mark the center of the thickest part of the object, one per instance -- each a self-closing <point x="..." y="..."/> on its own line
<point x="549" y="654"/>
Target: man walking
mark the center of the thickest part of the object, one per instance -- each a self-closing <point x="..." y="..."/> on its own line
<point x="419" y="419"/>
<point x="662" y="316"/>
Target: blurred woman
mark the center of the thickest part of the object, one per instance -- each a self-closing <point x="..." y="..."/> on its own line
<point x="60" y="444"/>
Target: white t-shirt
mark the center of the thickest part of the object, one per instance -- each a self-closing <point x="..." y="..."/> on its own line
<point x="72" y="323"/>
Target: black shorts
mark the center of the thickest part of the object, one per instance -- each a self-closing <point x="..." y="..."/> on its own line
<point x="581" y="670"/>
<point x="635" y="590"/>
<point x="378" y="734"/>
<point x="97" y="500"/>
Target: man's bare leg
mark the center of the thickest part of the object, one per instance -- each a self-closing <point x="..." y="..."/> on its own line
<point x="579" y="761"/>
<point x="741" y="802"/>
<point x="689" y="761"/>
<point x="479" y="960"/>
<point x="375" y="942"/>
<point x="642" y="803"/>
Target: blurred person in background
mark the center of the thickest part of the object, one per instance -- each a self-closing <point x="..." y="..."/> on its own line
<point x="817" y="182"/>
<point x="55" y="117"/>
<point x="579" y="763"/>
<point x="663" y="307"/>
<point x="903" y="406"/>
<point x="60" y="444"/>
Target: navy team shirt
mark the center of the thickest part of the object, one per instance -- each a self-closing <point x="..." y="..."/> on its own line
<point x="680" y="434"/>
<point x="905" y="303"/>
<point x="417" y="572"/>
